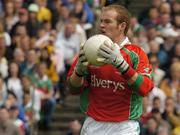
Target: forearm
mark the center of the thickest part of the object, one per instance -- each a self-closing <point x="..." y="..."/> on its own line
<point x="76" y="80"/>
<point x="75" y="83"/>
<point x="138" y="82"/>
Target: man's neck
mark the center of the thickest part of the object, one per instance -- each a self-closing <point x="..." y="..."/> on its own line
<point x="120" y="39"/>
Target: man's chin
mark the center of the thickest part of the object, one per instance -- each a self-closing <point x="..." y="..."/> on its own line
<point x="104" y="33"/>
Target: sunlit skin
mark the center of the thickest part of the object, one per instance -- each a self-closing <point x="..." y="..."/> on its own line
<point x="110" y="27"/>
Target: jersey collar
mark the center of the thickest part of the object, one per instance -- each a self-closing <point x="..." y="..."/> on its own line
<point x="124" y="42"/>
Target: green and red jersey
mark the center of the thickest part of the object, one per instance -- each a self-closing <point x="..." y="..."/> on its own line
<point x="106" y="94"/>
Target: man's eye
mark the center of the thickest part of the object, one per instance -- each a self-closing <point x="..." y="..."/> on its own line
<point x="106" y="21"/>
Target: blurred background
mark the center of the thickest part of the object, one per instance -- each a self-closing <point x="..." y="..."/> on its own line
<point x="39" y="40"/>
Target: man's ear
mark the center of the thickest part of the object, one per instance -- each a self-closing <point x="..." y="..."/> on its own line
<point x="122" y="26"/>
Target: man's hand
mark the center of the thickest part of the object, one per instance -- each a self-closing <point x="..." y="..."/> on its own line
<point x="111" y="54"/>
<point x="81" y="66"/>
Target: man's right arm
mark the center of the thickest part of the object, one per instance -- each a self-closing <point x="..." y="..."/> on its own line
<point x="74" y="82"/>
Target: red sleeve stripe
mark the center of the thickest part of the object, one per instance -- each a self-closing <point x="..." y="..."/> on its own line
<point x="146" y="86"/>
<point x="129" y="74"/>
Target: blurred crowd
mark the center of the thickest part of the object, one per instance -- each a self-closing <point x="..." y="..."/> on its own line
<point x="39" y="40"/>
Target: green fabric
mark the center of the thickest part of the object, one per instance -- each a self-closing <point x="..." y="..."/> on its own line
<point x="150" y="75"/>
<point x="84" y="100"/>
<point x="136" y="100"/>
<point x="136" y="106"/>
<point x="45" y="84"/>
<point x="137" y="83"/>
<point x="133" y="56"/>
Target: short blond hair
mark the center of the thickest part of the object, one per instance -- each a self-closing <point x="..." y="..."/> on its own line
<point x="123" y="14"/>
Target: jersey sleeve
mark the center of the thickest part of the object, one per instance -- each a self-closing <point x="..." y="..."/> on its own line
<point x="75" y="90"/>
<point x="140" y="64"/>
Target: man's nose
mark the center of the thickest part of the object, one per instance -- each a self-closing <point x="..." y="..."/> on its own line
<point x="102" y="25"/>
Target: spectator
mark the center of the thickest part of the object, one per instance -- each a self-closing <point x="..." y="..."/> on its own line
<point x="3" y="60"/>
<point x="44" y="85"/>
<point x="33" y="23"/>
<point x="18" y="4"/>
<point x="80" y="12"/>
<point x="28" y="66"/>
<point x="170" y="113"/>
<point x="156" y="104"/>
<point x="171" y="85"/>
<point x="136" y="27"/>
<point x="153" y="17"/>
<point x="176" y="54"/>
<point x="166" y="27"/>
<point x="158" y="93"/>
<point x="18" y="56"/>
<point x="14" y="83"/>
<point x="175" y="8"/>
<point x="169" y="47"/>
<point x="31" y="101"/>
<point x="146" y="111"/>
<point x="11" y="101"/>
<point x="63" y="17"/>
<point x="177" y="104"/>
<point x="156" y="114"/>
<point x="68" y="41"/>
<point x="6" y="35"/>
<point x="165" y="8"/>
<point x="163" y="131"/>
<point x="160" y="54"/>
<point x="78" y="28"/>
<point x="21" y="30"/>
<point x="23" y="19"/>
<point x="51" y="65"/>
<point x="44" y="14"/>
<point x="3" y="92"/>
<point x="10" y="17"/>
<point x="7" y="127"/>
<point x="151" y="128"/>
<point x="159" y="74"/>
<point x="13" y="115"/>
<point x="144" y="14"/>
<point x="153" y="35"/>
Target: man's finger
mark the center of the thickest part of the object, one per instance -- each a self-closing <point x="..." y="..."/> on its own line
<point x="103" y="54"/>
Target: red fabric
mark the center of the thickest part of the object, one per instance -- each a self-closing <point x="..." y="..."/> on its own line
<point x="130" y="73"/>
<point x="143" y="64"/>
<point x="146" y="86"/>
<point x="110" y="94"/>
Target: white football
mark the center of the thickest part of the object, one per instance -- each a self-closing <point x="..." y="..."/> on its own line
<point x="91" y="47"/>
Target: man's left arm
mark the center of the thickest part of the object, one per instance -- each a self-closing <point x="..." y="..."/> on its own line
<point x="139" y="78"/>
<point x="139" y="82"/>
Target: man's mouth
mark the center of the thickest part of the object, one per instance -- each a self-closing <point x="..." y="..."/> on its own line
<point x="103" y="32"/>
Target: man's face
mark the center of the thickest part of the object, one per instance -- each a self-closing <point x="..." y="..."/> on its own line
<point x="4" y="115"/>
<point x="109" y="25"/>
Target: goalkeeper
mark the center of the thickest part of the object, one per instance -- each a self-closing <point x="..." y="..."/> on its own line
<point x="114" y="91"/>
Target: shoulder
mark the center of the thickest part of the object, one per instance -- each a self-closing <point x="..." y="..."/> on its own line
<point x="134" y="48"/>
<point x="135" y="52"/>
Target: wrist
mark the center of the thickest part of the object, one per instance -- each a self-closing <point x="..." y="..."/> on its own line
<point x="130" y="72"/>
<point x="78" y="74"/>
<point x="123" y="66"/>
